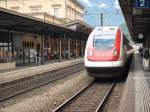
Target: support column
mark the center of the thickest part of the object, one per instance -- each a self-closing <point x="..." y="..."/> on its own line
<point x="65" y="51"/>
<point x="29" y="56"/>
<point x="76" y="49"/>
<point x="42" y="50"/>
<point x="82" y="49"/>
<point x="63" y="47"/>
<point x="60" y="48"/>
<point x="8" y="40"/>
<point x="12" y="47"/>
<point x="57" y="47"/>
<point x="68" y="48"/>
<point x="84" y="45"/>
<point x="8" y="47"/>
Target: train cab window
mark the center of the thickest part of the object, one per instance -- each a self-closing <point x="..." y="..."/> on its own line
<point x="104" y="42"/>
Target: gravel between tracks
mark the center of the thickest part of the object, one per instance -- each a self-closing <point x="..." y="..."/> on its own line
<point x="46" y="98"/>
<point x="113" y="101"/>
<point x="89" y="100"/>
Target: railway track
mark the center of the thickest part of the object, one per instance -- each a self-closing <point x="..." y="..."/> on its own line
<point x="90" y="99"/>
<point x="34" y="82"/>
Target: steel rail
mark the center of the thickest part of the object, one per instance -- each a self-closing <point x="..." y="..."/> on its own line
<point x="60" y="74"/>
<point x="58" y="109"/>
<point x="39" y="77"/>
<point x="74" y="96"/>
<point x="105" y="98"/>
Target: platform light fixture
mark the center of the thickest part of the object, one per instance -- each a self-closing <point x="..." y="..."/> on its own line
<point x="140" y="36"/>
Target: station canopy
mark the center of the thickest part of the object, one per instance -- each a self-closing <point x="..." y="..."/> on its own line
<point x="14" y="21"/>
<point x="79" y="26"/>
<point x="137" y="16"/>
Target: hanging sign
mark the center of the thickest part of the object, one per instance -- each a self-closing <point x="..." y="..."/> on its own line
<point x="142" y="3"/>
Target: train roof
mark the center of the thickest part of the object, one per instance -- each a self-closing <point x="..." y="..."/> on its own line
<point x="106" y="28"/>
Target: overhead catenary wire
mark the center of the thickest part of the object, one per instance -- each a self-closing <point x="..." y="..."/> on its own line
<point x="104" y="18"/>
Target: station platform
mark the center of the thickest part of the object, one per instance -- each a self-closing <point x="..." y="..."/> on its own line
<point x="28" y="71"/>
<point x="136" y="95"/>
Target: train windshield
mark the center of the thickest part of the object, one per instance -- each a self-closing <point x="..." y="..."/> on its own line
<point x="104" y="42"/>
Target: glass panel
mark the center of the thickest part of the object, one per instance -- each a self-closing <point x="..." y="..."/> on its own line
<point x="5" y="54"/>
<point x="104" y="42"/>
<point x="56" y="12"/>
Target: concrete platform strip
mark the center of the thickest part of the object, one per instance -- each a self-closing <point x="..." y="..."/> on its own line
<point x="142" y="91"/>
<point x="136" y="95"/>
<point x="19" y="74"/>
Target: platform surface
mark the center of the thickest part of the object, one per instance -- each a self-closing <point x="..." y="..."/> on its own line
<point x="24" y="71"/>
<point x="136" y="96"/>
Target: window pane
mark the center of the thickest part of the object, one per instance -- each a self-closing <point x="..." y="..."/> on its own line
<point x="104" y="42"/>
<point x="56" y="12"/>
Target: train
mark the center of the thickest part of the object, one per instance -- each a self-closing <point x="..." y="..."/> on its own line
<point x="106" y="53"/>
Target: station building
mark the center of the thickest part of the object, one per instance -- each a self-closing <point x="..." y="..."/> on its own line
<point x="55" y="11"/>
<point x="49" y="29"/>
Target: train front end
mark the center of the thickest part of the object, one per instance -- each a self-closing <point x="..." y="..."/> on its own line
<point x="104" y="55"/>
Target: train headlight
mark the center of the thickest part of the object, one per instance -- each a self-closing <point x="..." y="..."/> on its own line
<point x="115" y="52"/>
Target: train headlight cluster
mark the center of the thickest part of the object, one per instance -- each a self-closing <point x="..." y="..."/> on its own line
<point x="115" y="52"/>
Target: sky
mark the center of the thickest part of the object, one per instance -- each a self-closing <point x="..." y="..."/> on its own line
<point x="112" y="14"/>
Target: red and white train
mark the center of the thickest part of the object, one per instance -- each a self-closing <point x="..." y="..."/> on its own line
<point x="106" y="52"/>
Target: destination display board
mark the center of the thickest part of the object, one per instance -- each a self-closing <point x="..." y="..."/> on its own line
<point x="142" y="4"/>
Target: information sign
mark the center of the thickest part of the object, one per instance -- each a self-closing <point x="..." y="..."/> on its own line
<point x="143" y="3"/>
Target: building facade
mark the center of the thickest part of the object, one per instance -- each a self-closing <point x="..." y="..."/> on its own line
<point x="22" y="47"/>
<point x="55" y="11"/>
